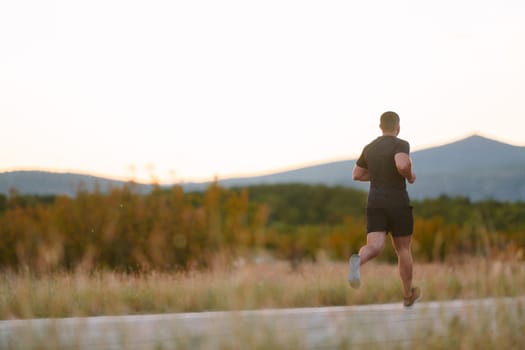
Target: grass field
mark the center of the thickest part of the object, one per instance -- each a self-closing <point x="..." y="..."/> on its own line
<point x="247" y="286"/>
<point x="266" y="285"/>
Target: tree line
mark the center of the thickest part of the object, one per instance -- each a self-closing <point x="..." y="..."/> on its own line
<point x="169" y="229"/>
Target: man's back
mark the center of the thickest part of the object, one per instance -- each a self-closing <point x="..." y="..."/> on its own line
<point x="378" y="158"/>
<point x="387" y="185"/>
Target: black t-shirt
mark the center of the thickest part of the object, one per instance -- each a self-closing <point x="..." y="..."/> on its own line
<point x="387" y="186"/>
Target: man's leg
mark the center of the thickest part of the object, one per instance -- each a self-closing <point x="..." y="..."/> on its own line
<point x="404" y="258"/>
<point x="375" y="242"/>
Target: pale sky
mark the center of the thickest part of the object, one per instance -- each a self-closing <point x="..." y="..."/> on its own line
<point x="189" y="90"/>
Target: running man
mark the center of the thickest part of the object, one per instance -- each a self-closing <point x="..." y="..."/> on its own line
<point x="386" y="163"/>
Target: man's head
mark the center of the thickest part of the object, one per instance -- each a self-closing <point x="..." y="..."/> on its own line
<point x="389" y="122"/>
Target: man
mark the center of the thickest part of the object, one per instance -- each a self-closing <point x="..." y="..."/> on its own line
<point x="386" y="163"/>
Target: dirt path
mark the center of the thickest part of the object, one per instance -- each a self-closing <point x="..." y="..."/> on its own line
<point x="382" y="325"/>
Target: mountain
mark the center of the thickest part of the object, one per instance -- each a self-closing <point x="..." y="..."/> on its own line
<point x="45" y="183"/>
<point x="475" y="167"/>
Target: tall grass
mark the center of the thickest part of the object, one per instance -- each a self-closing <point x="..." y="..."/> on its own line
<point x="248" y="286"/>
<point x="504" y="328"/>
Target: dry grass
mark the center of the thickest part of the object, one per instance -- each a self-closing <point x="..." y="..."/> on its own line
<point x="251" y="286"/>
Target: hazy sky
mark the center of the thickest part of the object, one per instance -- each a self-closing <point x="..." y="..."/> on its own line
<point x="187" y="90"/>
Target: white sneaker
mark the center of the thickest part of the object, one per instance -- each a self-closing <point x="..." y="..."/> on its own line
<point x="354" y="277"/>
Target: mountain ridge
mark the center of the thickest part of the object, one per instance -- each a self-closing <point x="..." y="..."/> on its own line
<point x="475" y="167"/>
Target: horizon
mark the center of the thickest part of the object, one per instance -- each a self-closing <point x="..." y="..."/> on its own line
<point x="155" y="179"/>
<point x="185" y="91"/>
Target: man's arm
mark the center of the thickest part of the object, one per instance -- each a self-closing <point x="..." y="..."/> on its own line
<point x="404" y="166"/>
<point x="360" y="174"/>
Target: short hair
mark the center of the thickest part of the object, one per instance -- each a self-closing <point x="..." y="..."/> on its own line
<point x="389" y="120"/>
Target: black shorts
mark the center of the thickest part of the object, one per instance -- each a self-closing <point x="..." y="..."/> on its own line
<point x="399" y="221"/>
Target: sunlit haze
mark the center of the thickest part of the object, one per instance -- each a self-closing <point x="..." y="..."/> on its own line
<point x="189" y="90"/>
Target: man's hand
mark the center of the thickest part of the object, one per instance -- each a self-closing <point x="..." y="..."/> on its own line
<point x="360" y="174"/>
<point x="404" y="167"/>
